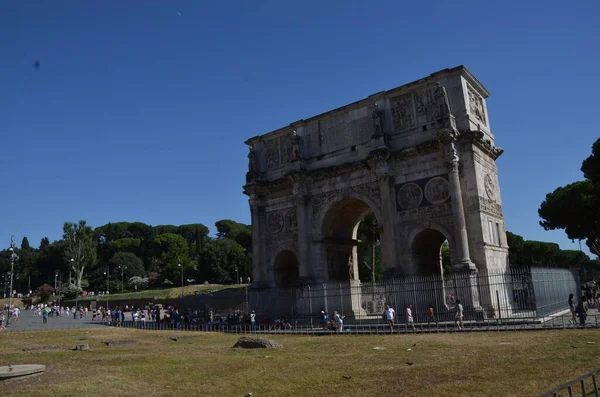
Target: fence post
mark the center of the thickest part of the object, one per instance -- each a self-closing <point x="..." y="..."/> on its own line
<point x="310" y="310"/>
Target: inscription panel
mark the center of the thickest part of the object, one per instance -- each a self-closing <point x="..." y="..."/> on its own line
<point x="338" y="132"/>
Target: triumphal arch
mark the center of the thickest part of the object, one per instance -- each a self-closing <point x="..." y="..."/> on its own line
<point x="421" y="157"/>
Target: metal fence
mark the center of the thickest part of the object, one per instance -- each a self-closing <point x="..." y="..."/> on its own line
<point x="517" y="294"/>
<point x="586" y="385"/>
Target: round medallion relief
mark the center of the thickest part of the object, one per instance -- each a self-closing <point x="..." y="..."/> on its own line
<point x="489" y="186"/>
<point x="437" y="191"/>
<point x="290" y="220"/>
<point x="275" y="222"/>
<point x="410" y="196"/>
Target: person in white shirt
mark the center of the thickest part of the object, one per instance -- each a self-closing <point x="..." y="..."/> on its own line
<point x="459" y="315"/>
<point x="409" y="317"/>
<point x="339" y="321"/>
<point x="390" y="316"/>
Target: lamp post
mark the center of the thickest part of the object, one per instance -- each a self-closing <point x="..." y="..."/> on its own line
<point x="122" y="270"/>
<point x="181" y="267"/>
<point x="76" y="290"/>
<point x="13" y="257"/>
<point x="59" y="311"/>
<point x="55" y="278"/>
<point x="237" y="276"/>
<point x="107" y="272"/>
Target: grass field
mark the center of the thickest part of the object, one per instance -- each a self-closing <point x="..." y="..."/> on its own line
<point x="15" y="302"/>
<point x="164" y="293"/>
<point x="455" y="364"/>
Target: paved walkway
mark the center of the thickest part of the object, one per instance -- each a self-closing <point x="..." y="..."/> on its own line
<point x="29" y="322"/>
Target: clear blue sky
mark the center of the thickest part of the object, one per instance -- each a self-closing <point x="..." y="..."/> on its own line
<point x="140" y="108"/>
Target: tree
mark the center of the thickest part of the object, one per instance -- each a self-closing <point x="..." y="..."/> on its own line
<point x="369" y="249"/>
<point x="446" y="259"/>
<point x="221" y="257"/>
<point x="131" y="264"/>
<point x="515" y="249"/>
<point x="575" y="208"/>
<point x="45" y="291"/>
<point x="170" y="250"/>
<point x="80" y="247"/>
<point x="238" y="232"/>
<point x="138" y="282"/>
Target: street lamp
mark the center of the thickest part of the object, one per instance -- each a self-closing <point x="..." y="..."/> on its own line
<point x="55" y="278"/>
<point x="180" y="266"/>
<point x="122" y="270"/>
<point x="76" y="289"/>
<point x="237" y="276"/>
<point x="107" y="272"/>
<point x="13" y="257"/>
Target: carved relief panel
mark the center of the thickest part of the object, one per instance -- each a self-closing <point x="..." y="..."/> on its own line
<point x="422" y="193"/>
<point x="403" y="112"/>
<point x="282" y="232"/>
<point x="476" y="107"/>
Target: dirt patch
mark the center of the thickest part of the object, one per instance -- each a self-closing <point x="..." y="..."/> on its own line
<point x="39" y="348"/>
<point x="246" y="342"/>
<point x="122" y="342"/>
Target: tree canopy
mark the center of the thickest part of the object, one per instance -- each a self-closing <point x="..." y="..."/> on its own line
<point x="575" y="208"/>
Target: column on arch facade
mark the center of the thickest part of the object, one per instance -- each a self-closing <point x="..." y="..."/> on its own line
<point x="303" y="227"/>
<point x="461" y="238"/>
<point x="258" y="257"/>
<point x="385" y="180"/>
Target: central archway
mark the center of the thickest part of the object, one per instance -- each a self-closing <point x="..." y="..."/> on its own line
<point x="340" y="231"/>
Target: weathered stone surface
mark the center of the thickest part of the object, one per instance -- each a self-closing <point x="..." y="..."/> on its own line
<point x="123" y="342"/>
<point x="17" y="371"/>
<point x="246" y="342"/>
<point x="38" y="348"/>
<point x="421" y="157"/>
<point x="82" y="347"/>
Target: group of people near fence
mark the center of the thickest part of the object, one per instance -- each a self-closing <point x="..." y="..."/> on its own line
<point x="580" y="310"/>
<point x="389" y="315"/>
<point x="336" y="322"/>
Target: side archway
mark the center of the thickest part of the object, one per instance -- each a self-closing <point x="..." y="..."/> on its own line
<point x="426" y="248"/>
<point x="286" y="269"/>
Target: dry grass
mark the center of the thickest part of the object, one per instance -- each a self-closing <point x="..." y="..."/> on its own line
<point x="457" y="364"/>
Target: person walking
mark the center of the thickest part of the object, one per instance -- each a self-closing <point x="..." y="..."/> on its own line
<point x="459" y="315"/>
<point x="338" y="321"/>
<point x="390" y="316"/>
<point x="409" y="317"/>
<point x="431" y="315"/>
<point x="573" y="319"/>
<point x="582" y="311"/>
<point x="252" y="320"/>
<point x="2" y="320"/>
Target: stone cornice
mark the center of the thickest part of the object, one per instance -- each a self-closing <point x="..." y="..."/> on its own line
<point x="419" y="150"/>
<point x="478" y="139"/>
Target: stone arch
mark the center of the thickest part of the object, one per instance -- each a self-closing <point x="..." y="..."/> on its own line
<point x="338" y="226"/>
<point x="425" y="244"/>
<point x="286" y="268"/>
<point x="373" y="205"/>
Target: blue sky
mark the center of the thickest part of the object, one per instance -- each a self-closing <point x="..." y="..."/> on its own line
<point x="140" y="108"/>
